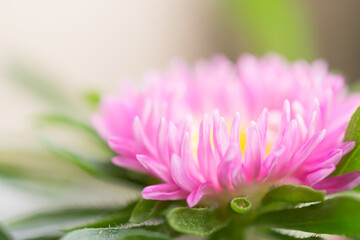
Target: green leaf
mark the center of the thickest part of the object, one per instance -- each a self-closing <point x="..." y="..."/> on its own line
<point x="28" y="174"/>
<point x="40" y="86"/>
<point x="293" y="194"/>
<point x="269" y="234"/>
<point x="117" y="217"/>
<point x="45" y="238"/>
<point x="339" y="215"/>
<point x="197" y="221"/>
<point x="92" y="99"/>
<point x="4" y="235"/>
<point x="241" y="205"/>
<point x="103" y="170"/>
<point x="351" y="162"/>
<point x="146" y="209"/>
<point x="115" y="234"/>
<point x="88" y="165"/>
<point x="61" y="119"/>
<point x="60" y="216"/>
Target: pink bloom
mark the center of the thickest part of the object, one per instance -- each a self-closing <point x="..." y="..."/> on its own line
<point x="272" y="122"/>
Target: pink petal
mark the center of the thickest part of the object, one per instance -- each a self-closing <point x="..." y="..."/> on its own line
<point x="195" y="196"/>
<point x="141" y="138"/>
<point x="164" y="191"/>
<point x="324" y="160"/>
<point x="235" y="129"/>
<point x="206" y="158"/>
<point x="123" y="146"/>
<point x="319" y="175"/>
<point x="187" y="157"/>
<point x="221" y="135"/>
<point x="262" y="124"/>
<point x="173" y="139"/>
<point x="131" y="163"/>
<point x="228" y="162"/>
<point x="346" y="147"/>
<point x="156" y="168"/>
<point x="253" y="153"/>
<point x="181" y="174"/>
<point x="341" y="183"/>
<point x="162" y="143"/>
<point x="305" y="150"/>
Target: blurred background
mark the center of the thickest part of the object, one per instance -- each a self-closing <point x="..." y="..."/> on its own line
<point x="81" y="47"/>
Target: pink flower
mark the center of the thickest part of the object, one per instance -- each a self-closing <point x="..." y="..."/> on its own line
<point x="272" y="122"/>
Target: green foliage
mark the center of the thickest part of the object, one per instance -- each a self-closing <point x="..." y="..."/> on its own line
<point x="115" y="234"/>
<point x="28" y="175"/>
<point x="92" y="98"/>
<point x="197" y="221"/>
<point x="50" y="237"/>
<point x="117" y="217"/>
<point x="241" y="205"/>
<point x="4" y="235"/>
<point x="98" y="166"/>
<point x="351" y="162"/>
<point x="340" y="216"/>
<point x="99" y="169"/>
<point x="273" y="235"/>
<point x="64" y="120"/>
<point x="146" y="209"/>
<point x="60" y="217"/>
<point x="293" y="194"/>
<point x="40" y="86"/>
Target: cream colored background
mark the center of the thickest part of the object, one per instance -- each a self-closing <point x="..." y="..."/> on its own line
<point x="87" y="45"/>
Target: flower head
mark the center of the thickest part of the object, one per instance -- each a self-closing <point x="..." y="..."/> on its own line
<point x="271" y="122"/>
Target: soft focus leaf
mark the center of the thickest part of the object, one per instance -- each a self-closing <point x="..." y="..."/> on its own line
<point x="87" y="165"/>
<point x="40" y="86"/>
<point x="45" y="238"/>
<point x="340" y="216"/>
<point x="240" y="205"/>
<point x="103" y="170"/>
<point x="115" y="234"/>
<point x="28" y="169"/>
<point x="145" y="209"/>
<point x="293" y="194"/>
<point x="4" y="235"/>
<point x="351" y="162"/>
<point x="269" y="234"/>
<point x="116" y="218"/>
<point x="18" y="172"/>
<point x="61" y="119"/>
<point x="197" y="221"/>
<point x="92" y="98"/>
<point x="59" y="217"/>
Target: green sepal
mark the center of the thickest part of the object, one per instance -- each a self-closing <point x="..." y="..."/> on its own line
<point x="339" y="216"/>
<point x="146" y="209"/>
<point x="197" y="221"/>
<point x="293" y="194"/>
<point x="241" y="205"/>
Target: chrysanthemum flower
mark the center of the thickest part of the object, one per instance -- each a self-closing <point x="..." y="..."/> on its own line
<point x="221" y="129"/>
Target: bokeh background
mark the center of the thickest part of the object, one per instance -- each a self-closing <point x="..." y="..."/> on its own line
<point x="83" y="46"/>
